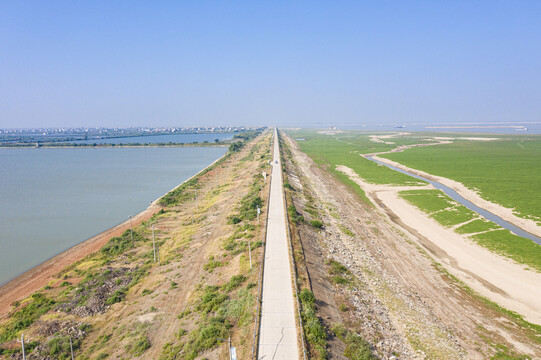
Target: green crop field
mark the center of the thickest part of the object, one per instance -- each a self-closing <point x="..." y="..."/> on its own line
<point x="507" y="171"/>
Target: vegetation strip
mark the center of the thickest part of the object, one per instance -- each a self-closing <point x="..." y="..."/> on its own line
<point x="317" y="332"/>
<point x="257" y="316"/>
<point x="291" y="257"/>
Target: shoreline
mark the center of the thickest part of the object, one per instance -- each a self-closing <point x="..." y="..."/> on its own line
<point x="41" y="274"/>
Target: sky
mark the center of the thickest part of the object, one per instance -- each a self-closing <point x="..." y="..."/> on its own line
<point x="285" y="63"/>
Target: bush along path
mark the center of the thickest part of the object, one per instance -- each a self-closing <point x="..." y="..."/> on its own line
<point x="170" y="287"/>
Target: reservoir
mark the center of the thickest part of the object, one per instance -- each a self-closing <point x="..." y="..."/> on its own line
<point x="53" y="199"/>
<point x="455" y="196"/>
<point x="160" y="139"/>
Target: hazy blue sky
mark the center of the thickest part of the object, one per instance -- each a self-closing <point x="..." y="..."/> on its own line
<point x="174" y="63"/>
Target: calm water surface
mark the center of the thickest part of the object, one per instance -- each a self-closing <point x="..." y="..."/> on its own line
<point x="52" y="199"/>
<point x="163" y="139"/>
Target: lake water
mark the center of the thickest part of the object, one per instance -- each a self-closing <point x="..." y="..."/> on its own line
<point x="53" y="199"/>
<point x="155" y="139"/>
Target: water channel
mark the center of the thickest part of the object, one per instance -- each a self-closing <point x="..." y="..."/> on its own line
<point x="455" y="196"/>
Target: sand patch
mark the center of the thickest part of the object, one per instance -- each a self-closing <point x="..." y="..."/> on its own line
<point x="330" y="132"/>
<point x="378" y="138"/>
<point x="498" y="278"/>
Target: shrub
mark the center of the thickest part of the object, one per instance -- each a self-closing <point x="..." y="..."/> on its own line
<point x="26" y="316"/>
<point x="120" y="244"/>
<point x="146" y="292"/>
<point x="307" y="297"/>
<point x="315" y="332"/>
<point x="287" y="185"/>
<point x="234" y="220"/>
<point x="234" y="283"/>
<point x="337" y="279"/>
<point x="116" y="297"/>
<point x="294" y="215"/>
<point x="139" y="346"/>
<point x="212" y="264"/>
<point x="206" y="336"/>
<point x="211" y="299"/>
<point x="337" y="268"/>
<point x="356" y="347"/>
<point x="316" y="223"/>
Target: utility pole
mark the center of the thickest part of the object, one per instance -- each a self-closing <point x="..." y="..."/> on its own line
<point x="258" y="212"/>
<point x="153" y="243"/>
<point x="71" y="347"/>
<point x="131" y="229"/>
<point x="196" y="206"/>
<point x="22" y="344"/>
<point x="250" y="252"/>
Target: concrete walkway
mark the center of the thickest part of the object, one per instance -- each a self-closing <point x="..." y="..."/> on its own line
<point x="278" y="336"/>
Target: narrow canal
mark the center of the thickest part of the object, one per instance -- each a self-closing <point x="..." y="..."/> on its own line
<point x="455" y="196"/>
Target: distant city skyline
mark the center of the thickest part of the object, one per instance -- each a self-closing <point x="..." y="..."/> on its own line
<point x="175" y="64"/>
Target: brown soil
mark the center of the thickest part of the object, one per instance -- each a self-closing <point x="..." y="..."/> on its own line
<point x="405" y="305"/>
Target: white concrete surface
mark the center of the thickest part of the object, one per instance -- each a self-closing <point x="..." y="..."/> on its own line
<point x="278" y="336"/>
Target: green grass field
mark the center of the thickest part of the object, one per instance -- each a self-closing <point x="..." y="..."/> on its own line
<point x="345" y="149"/>
<point x="449" y="213"/>
<point x="507" y="172"/>
<point x="439" y="206"/>
<point x="476" y="226"/>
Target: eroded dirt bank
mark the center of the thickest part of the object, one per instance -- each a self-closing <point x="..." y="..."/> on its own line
<point x="406" y="305"/>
